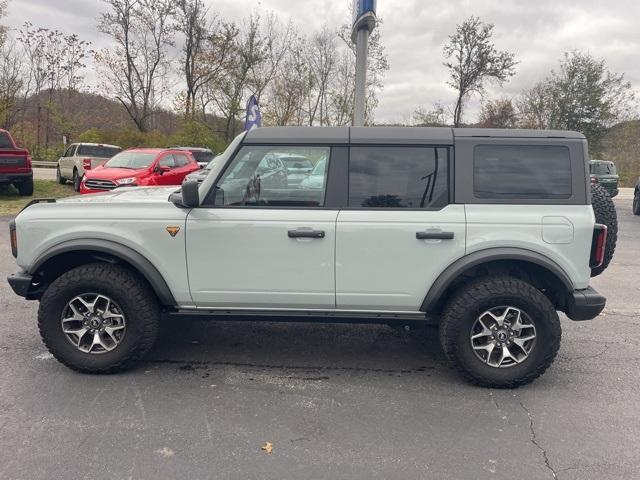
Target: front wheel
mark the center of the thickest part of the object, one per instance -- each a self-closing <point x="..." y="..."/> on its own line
<point x="636" y="202"/>
<point x="98" y="318"/>
<point x="500" y="332"/>
<point x="76" y="180"/>
<point x="59" y="178"/>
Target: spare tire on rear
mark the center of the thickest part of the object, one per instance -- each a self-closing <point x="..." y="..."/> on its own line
<point x="605" y="212"/>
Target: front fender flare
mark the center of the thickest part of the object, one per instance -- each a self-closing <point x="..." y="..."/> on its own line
<point x="117" y="250"/>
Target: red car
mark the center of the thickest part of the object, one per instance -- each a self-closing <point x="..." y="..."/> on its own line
<point x="140" y="167"/>
<point x="15" y="165"/>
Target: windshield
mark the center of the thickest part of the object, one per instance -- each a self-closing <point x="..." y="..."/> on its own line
<point x="297" y="162"/>
<point x="603" y="168"/>
<point x="134" y="160"/>
<point x="202" y="157"/>
<point x="218" y="164"/>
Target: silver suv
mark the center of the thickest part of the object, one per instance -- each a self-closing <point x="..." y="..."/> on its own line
<point x="79" y="157"/>
<point x="486" y="233"/>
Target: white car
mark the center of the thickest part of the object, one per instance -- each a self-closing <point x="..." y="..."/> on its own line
<point x="487" y="233"/>
<point x="79" y="157"/>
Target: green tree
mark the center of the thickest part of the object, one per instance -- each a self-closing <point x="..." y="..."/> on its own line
<point x="582" y="95"/>
<point x="498" y="113"/>
<point x="472" y="59"/>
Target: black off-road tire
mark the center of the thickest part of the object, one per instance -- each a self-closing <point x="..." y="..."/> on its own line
<point x="76" y="180"/>
<point x="605" y="212"/>
<point x="25" y="188"/>
<point x="136" y="299"/>
<point x="636" y="202"/>
<point x="481" y="295"/>
<point x="59" y="178"/>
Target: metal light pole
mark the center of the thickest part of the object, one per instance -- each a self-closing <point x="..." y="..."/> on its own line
<point x="364" y="21"/>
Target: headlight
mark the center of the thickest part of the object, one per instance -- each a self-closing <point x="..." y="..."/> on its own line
<point x="126" y="181"/>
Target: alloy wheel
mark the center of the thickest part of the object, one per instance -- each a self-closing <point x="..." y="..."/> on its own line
<point x="503" y="336"/>
<point x="93" y="323"/>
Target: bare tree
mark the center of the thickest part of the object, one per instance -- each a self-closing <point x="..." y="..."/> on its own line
<point x="136" y="68"/>
<point x="475" y="60"/>
<point x="194" y="25"/>
<point x="11" y="83"/>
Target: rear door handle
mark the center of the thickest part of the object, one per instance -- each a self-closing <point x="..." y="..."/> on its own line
<point x="434" y="235"/>
<point x="305" y="233"/>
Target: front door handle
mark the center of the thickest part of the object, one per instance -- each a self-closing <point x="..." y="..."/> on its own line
<point x="434" y="235"/>
<point x="301" y="233"/>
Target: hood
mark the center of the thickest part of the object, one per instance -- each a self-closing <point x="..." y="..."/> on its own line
<point x="106" y="173"/>
<point x="125" y="195"/>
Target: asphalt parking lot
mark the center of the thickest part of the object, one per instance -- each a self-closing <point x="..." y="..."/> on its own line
<point x="336" y="401"/>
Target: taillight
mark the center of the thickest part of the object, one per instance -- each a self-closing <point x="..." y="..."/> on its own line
<point x="14" y="238"/>
<point x="598" y="245"/>
<point x="86" y="163"/>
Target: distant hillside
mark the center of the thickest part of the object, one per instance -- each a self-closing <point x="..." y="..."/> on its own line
<point x="622" y="146"/>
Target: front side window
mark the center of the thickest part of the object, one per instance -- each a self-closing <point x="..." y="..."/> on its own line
<point x="167" y="161"/>
<point x="258" y="176"/>
<point x="180" y="159"/>
<point x="398" y="177"/>
<point x="521" y="172"/>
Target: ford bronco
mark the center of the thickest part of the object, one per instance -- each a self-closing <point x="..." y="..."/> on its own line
<point x="488" y="233"/>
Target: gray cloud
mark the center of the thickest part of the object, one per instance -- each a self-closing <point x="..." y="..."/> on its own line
<point x="414" y="32"/>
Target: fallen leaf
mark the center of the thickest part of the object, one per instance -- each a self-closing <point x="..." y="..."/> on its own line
<point x="267" y="447"/>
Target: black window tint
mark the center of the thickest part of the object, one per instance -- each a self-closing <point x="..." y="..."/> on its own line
<point x="521" y="171"/>
<point x="398" y="177"/>
<point x="99" y="151"/>
<point x="5" y="141"/>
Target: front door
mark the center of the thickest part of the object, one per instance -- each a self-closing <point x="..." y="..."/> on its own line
<point x="262" y="243"/>
<point x="399" y="231"/>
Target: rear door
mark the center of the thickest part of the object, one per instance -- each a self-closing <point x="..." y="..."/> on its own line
<point x="261" y="243"/>
<point x="399" y="231"/>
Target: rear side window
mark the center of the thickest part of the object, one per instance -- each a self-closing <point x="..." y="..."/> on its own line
<point x="180" y="159"/>
<point x="521" y="171"/>
<point x="99" y="151"/>
<point x="398" y="177"/>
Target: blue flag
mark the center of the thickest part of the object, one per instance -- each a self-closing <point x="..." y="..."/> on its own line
<point x="254" y="118"/>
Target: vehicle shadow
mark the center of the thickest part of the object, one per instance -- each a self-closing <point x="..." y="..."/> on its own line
<point x="315" y="349"/>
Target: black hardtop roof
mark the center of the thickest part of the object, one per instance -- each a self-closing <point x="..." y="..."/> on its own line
<point x="390" y="135"/>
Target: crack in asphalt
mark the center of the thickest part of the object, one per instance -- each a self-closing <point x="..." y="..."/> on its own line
<point x="195" y="364"/>
<point x="580" y="357"/>
<point x="534" y="440"/>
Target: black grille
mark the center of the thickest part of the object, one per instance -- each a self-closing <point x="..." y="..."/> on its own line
<point x="13" y="161"/>
<point x="95" y="184"/>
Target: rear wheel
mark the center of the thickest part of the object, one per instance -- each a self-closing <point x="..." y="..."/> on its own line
<point x="98" y="318"/>
<point x="25" y="188"/>
<point x="76" y="180"/>
<point x="500" y="332"/>
<point x="605" y="212"/>
<point x="59" y="178"/>
<point x="636" y="202"/>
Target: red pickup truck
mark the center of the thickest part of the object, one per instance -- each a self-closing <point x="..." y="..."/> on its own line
<point x="15" y="165"/>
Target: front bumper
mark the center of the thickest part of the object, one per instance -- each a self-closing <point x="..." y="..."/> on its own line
<point x="23" y="285"/>
<point x="585" y="304"/>
<point x="15" y="177"/>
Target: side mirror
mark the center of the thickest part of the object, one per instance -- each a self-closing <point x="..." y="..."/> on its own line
<point x="161" y="169"/>
<point x="191" y="194"/>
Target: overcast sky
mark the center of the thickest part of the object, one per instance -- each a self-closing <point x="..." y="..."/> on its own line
<point x="414" y="31"/>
